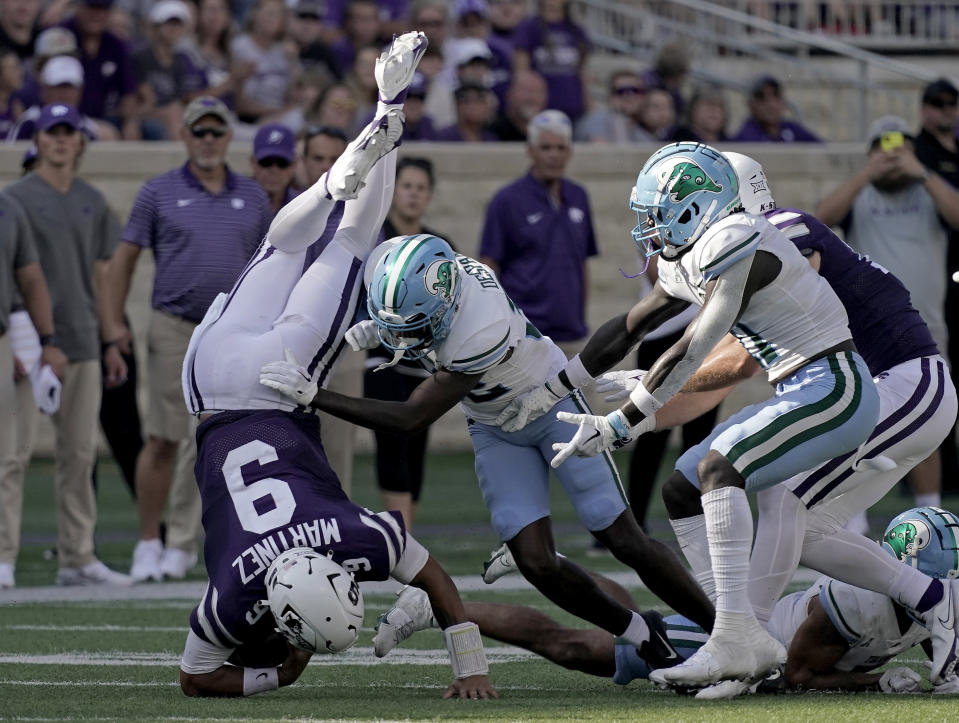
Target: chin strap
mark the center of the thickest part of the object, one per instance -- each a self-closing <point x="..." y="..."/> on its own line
<point x="397" y="355"/>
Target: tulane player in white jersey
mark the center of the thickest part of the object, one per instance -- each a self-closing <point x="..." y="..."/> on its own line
<point x="749" y="279"/>
<point x="450" y="312"/>
<point x="836" y="635"/>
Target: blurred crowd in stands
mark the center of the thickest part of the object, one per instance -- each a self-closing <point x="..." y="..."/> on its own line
<point x="131" y="66"/>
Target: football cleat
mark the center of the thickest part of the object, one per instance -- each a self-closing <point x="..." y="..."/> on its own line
<point x="941" y="623"/>
<point x="773" y="683"/>
<point x="657" y="651"/>
<point x="348" y="175"/>
<point x="742" y="651"/>
<point x="411" y="613"/>
<point x="395" y="66"/>
<point x="500" y="563"/>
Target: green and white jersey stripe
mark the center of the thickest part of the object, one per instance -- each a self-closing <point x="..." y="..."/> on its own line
<point x="802" y="424"/>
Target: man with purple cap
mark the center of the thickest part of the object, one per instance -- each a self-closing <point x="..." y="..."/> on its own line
<point x="767" y="121"/>
<point x="75" y="235"/>
<point x="111" y="83"/>
<point x="203" y="222"/>
<point x="274" y="151"/>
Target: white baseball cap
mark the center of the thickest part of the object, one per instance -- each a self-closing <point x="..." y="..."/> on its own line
<point x="166" y="10"/>
<point x="62" y="70"/>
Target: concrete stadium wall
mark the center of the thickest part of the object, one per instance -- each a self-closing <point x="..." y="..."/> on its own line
<point x="468" y="176"/>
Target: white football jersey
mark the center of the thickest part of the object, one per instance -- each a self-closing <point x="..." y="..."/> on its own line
<point x="866" y="619"/>
<point x="491" y="337"/>
<point x="787" y="323"/>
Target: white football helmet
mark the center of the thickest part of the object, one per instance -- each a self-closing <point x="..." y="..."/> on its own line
<point x="316" y="603"/>
<point x="753" y="186"/>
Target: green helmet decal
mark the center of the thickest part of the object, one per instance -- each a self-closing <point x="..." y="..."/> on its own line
<point x="907" y="538"/>
<point x="687" y="178"/>
<point x="440" y="279"/>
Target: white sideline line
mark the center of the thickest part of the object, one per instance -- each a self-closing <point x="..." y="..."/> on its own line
<point x="194" y="590"/>
<point x="102" y="628"/>
<point x="353" y="656"/>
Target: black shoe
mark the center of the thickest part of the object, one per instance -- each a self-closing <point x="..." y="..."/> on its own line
<point x="658" y="651"/>
<point x="773" y="683"/>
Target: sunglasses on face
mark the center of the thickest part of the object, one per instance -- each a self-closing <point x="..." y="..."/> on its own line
<point x="942" y="102"/>
<point x="207" y="131"/>
<point x="272" y="162"/>
<point x="628" y="90"/>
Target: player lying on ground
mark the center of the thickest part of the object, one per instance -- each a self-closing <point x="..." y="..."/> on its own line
<point x="805" y="517"/>
<point x="450" y="312"/>
<point x="836" y="635"/>
<point x="751" y="281"/>
<point x="264" y="480"/>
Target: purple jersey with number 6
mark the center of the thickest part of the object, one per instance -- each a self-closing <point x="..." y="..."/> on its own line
<point x="886" y="328"/>
<point x="266" y="486"/>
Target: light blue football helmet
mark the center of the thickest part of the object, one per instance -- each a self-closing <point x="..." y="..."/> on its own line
<point x="926" y="538"/>
<point x="413" y="292"/>
<point x="683" y="189"/>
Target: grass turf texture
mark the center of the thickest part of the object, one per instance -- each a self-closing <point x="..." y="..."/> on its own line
<point x="129" y="649"/>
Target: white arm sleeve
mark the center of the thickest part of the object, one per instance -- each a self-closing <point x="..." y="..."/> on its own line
<point x="411" y="562"/>
<point x="201" y="657"/>
<point x="713" y="322"/>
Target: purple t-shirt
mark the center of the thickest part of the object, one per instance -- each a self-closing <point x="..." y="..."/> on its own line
<point x="243" y="536"/>
<point x="453" y="134"/>
<point x="500" y="67"/>
<point x="200" y="241"/>
<point x="107" y="77"/>
<point x="556" y="51"/>
<point x="541" y="250"/>
<point x="389" y="10"/>
<point x="789" y="132"/>
<point x="886" y="328"/>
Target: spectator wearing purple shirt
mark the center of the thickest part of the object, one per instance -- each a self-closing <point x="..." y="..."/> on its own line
<point x="553" y="45"/>
<point x="505" y="16"/>
<point x="474" y="106"/>
<point x="538" y="234"/>
<point x="472" y="21"/>
<point x="168" y="77"/>
<point x="203" y="222"/>
<point x="274" y="151"/>
<point x="766" y="122"/>
<point x="362" y="28"/>
<point x="109" y="91"/>
<point x="11" y="80"/>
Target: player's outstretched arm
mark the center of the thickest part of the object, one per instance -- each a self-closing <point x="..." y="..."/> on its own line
<point x="461" y="634"/>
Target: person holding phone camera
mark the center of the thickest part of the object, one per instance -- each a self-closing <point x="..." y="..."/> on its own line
<point x="899" y="214"/>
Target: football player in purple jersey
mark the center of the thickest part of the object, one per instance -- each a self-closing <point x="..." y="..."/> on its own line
<point x="265" y="483"/>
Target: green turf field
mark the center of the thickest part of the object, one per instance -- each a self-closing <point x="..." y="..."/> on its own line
<point x="117" y="659"/>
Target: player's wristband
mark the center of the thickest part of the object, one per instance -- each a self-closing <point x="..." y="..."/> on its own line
<point x="644" y="401"/>
<point x="620" y="425"/>
<point x="575" y="373"/>
<point x="465" y="647"/>
<point x="259" y="680"/>
<point x="48" y="340"/>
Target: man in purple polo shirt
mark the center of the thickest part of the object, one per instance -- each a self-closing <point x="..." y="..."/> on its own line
<point x="274" y="151"/>
<point x="766" y="121"/>
<point x="538" y="234"/>
<point x="203" y="222"/>
<point x="111" y="83"/>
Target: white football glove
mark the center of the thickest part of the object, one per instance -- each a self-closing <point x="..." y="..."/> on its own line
<point x="523" y="410"/>
<point x="900" y="680"/>
<point x="363" y="336"/>
<point x="618" y="384"/>
<point x="290" y="379"/>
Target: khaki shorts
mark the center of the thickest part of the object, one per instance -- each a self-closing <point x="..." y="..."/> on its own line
<point x="168" y="339"/>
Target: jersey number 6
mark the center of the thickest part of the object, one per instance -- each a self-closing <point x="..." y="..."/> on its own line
<point x="245" y="495"/>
